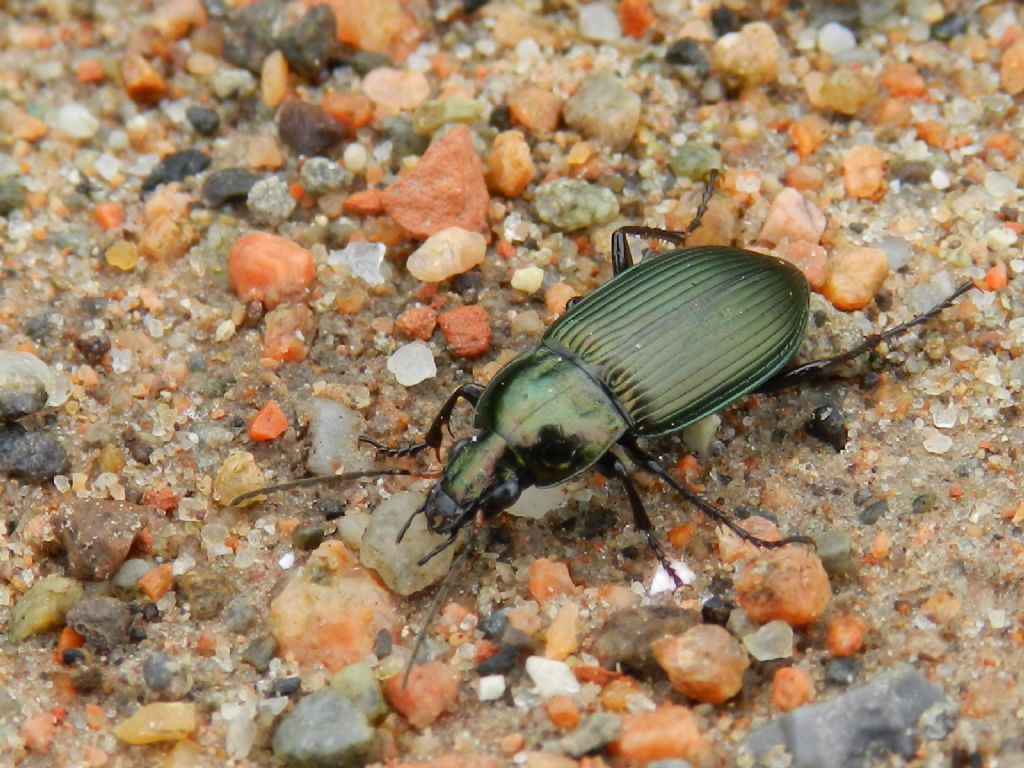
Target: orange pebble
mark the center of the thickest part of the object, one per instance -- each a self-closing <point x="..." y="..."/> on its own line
<point x="615" y="696"/>
<point x="367" y="201"/>
<point x="549" y="579"/>
<point x="270" y="423"/>
<point x="89" y="71"/>
<point x="669" y="731"/>
<point x="844" y="635"/>
<point x="791" y="687"/>
<point x="353" y="110"/>
<point x="68" y="639"/>
<point x="635" y="16"/>
<point x="206" y="644"/>
<point x="155" y="582"/>
<point x="996" y="279"/>
<point x="563" y="712"/>
<point x="267" y="268"/>
<point x="109" y="215"/>
<point x="39" y="732"/>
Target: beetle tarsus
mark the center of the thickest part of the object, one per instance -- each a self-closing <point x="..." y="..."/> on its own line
<point x="818" y="368"/>
<point x="395" y="451"/>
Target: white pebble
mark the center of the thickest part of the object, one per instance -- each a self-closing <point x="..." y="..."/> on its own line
<point x="1001" y="238"/>
<point x="1000" y="185"/>
<point x="528" y="279"/>
<point x="944" y="418"/>
<point x="835" y="39"/>
<point x="77" y="121"/>
<point x="355" y="158"/>
<point x="599" y="22"/>
<point x="491" y="687"/>
<point x="107" y="166"/>
<point x="940" y="179"/>
<point x="997" y="618"/>
<point x="334" y="431"/>
<point x="551" y="678"/>
<point x="364" y="259"/>
<point x="412" y="363"/>
<point x="935" y="441"/>
<point x="447" y="253"/>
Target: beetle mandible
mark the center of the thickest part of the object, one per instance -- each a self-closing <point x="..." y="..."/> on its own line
<point x="663" y="344"/>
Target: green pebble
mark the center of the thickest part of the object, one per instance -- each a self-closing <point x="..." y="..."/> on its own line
<point x="11" y="196"/>
<point x="432" y="115"/>
<point x="571" y="204"/>
<point x="694" y="160"/>
<point x="307" y="537"/>
<point x="357" y="683"/>
<point x="43" y="607"/>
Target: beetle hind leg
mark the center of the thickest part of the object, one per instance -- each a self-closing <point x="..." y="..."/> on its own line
<point x="650" y="464"/>
<point x="613" y="466"/>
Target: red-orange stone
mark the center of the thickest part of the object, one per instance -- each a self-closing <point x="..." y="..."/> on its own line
<point x="791" y="687"/>
<point x="844" y="635"/>
<point x="549" y="579"/>
<point x="789" y="584"/>
<point x="445" y="189"/>
<point x="432" y="690"/>
<point x="270" y="269"/>
<point x="667" y="732"/>
<point x="467" y="331"/>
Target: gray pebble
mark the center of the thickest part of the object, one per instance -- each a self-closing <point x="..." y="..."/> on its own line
<point x="876" y="719"/>
<point x="239" y="616"/>
<point x="325" y="730"/>
<point x="596" y="731"/>
<point x="156" y="672"/>
<point x="31" y="455"/>
<point x="357" y="683"/>
<point x="259" y="652"/>
<point x="250" y="35"/>
<point x="228" y="185"/>
<point x="25" y="381"/>
<point x="204" y="121"/>
<point x="206" y="590"/>
<point x="842" y="671"/>
<point x="104" y="621"/>
<point x="834" y="548"/>
<point x="310" y="43"/>
<point x="232" y="84"/>
<point x="572" y="204"/>
<point x="320" y="174"/>
<point x="604" y="108"/>
<point x="270" y="200"/>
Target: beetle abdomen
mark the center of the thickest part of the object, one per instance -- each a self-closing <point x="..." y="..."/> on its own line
<point x="680" y="335"/>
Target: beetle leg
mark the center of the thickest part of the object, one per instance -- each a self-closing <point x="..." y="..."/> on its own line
<point x="613" y="466"/>
<point x="650" y="464"/>
<point x="470" y="392"/>
<point x="817" y="368"/>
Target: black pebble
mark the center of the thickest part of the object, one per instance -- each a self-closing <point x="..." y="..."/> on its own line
<point x="499" y="663"/>
<point x="330" y="508"/>
<point x="307" y="128"/>
<point x="176" y="167"/>
<point x="949" y="27"/>
<point x="827" y="424"/>
<point x="31" y="455"/>
<point x="285" y="686"/>
<point x="494" y="626"/>
<point x="204" y="121"/>
<point x="382" y="644"/>
<point x="93" y="348"/>
<point x="228" y="185"/>
<point x="310" y="44"/>
<point x="688" y="53"/>
<point x="724" y="20"/>
<point x="716" y="610"/>
<point x="71" y="656"/>
<point x="841" y="671"/>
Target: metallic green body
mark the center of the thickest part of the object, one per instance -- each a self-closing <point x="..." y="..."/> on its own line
<point x="664" y="344"/>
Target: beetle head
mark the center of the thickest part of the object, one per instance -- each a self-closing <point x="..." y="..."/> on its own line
<point x="481" y="475"/>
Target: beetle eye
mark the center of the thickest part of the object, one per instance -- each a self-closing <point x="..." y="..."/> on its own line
<point x="459" y="447"/>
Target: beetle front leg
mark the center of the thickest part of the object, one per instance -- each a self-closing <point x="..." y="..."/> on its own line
<point x="650" y="464"/>
<point x="817" y="369"/>
<point x="612" y="466"/>
<point x="434" y="436"/>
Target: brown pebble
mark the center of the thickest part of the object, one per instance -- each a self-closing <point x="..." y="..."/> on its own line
<point x="307" y="128"/>
<point x="418" y="322"/>
<point x="467" y="331"/>
<point x="446" y="188"/>
<point x="748" y="57"/>
<point x="864" y="171"/>
<point x="855" y="274"/>
<point x="288" y="332"/>
<point x="97" y="534"/>
<point x="510" y="165"/>
<point x="626" y="638"/>
<point x="535" y="108"/>
<point x="788" y="584"/>
<point x="143" y="84"/>
<point x="705" y="663"/>
<point x="104" y="621"/>
<point x="942" y="607"/>
<point x="1011" y="69"/>
<point x="844" y="634"/>
<point x="167" y="237"/>
<point x="847" y="90"/>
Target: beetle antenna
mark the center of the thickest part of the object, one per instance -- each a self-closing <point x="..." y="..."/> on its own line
<point x="442" y="591"/>
<point x="323" y="480"/>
